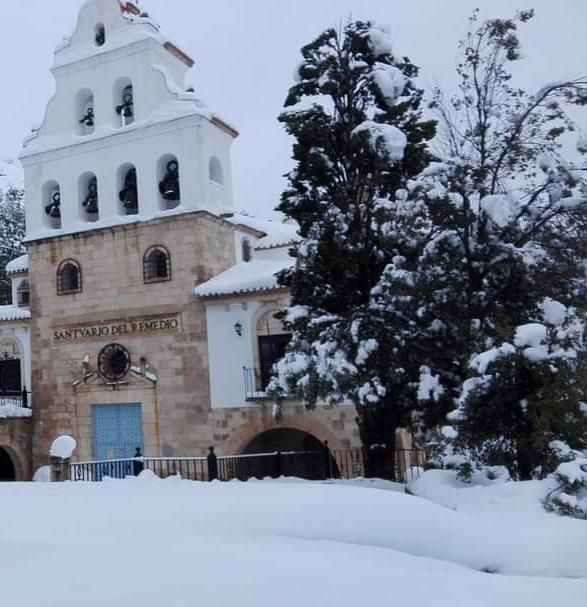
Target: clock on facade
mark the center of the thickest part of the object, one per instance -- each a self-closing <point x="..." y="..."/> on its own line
<point x="114" y="363"/>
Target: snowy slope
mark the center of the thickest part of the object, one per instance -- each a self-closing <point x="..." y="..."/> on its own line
<point x="149" y="543"/>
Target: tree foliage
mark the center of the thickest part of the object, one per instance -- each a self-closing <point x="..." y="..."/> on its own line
<point x="12" y="232"/>
<point x="355" y="114"/>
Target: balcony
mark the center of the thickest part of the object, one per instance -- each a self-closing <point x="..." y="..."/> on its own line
<point x="255" y="385"/>
<point x="15" y="403"/>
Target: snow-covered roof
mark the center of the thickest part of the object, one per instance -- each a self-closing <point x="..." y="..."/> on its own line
<point x="18" y="265"/>
<point x="245" y="277"/>
<point x="276" y="234"/>
<point x="13" y="313"/>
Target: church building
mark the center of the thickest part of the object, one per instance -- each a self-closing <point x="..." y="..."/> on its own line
<point x="143" y="315"/>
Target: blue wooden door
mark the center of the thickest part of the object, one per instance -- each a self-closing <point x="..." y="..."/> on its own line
<point x="117" y="431"/>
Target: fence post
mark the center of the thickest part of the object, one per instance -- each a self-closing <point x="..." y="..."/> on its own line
<point x="25" y="398"/>
<point x="138" y="465"/>
<point x="59" y="469"/>
<point x="278" y="467"/>
<point x="212" y="465"/>
<point x="327" y="462"/>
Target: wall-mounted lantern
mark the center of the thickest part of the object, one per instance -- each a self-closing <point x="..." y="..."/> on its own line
<point x="238" y="328"/>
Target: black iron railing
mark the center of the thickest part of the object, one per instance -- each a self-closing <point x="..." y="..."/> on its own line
<point x="19" y="399"/>
<point x="310" y="465"/>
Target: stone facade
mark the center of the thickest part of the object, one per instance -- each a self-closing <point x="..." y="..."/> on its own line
<point x="176" y="407"/>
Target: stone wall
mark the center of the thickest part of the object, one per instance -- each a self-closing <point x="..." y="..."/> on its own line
<point x="176" y="409"/>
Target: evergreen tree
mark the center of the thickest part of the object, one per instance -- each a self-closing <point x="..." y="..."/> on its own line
<point x="12" y="232"/>
<point x="506" y="208"/>
<point x="356" y="118"/>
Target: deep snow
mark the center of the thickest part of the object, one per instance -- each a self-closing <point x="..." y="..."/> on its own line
<point x="149" y="543"/>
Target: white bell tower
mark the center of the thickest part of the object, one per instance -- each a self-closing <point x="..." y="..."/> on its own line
<point x="122" y="140"/>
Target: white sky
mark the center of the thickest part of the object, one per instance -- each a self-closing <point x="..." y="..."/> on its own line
<point x="246" y="52"/>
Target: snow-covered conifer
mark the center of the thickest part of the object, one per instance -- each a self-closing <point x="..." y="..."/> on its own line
<point x="355" y="115"/>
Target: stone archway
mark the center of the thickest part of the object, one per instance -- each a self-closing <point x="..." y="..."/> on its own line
<point x="305" y="421"/>
<point x="284" y="440"/>
<point x="8" y="470"/>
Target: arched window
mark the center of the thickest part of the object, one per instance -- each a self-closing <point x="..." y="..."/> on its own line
<point x="247" y="250"/>
<point x="88" y="196"/>
<point x="100" y="34"/>
<point x="69" y="278"/>
<point x="51" y="194"/>
<point x="169" y="188"/>
<point x="23" y="294"/>
<point x="157" y="265"/>
<point x="124" y="102"/>
<point x="216" y="172"/>
<point x="84" y="116"/>
<point x="128" y="194"/>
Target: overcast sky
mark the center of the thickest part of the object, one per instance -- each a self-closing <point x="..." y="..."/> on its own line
<point x="246" y="52"/>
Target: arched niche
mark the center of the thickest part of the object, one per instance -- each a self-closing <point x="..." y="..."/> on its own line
<point x="169" y="183"/>
<point x="124" y="102"/>
<point x="89" y="209"/>
<point x="128" y="190"/>
<point x="100" y="34"/>
<point x="216" y="172"/>
<point x="84" y="114"/>
<point x="51" y="202"/>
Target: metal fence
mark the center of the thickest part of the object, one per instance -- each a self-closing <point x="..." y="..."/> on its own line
<point x="309" y="465"/>
<point x="18" y="399"/>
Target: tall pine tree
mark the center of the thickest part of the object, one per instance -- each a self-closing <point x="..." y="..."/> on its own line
<point x="355" y="114"/>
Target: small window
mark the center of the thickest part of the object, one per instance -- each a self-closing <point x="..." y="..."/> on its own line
<point x="100" y="34"/>
<point x="216" y="172"/>
<point x="23" y="294"/>
<point x="157" y="265"/>
<point x="69" y="278"/>
<point x="247" y="250"/>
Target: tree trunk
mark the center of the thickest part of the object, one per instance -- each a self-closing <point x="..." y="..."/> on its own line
<point x="377" y="429"/>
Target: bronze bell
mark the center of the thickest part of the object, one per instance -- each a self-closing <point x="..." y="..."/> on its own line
<point x="91" y="201"/>
<point x="54" y="209"/>
<point x="169" y="186"/>
<point x="88" y="119"/>
<point x="129" y="196"/>
<point x="126" y="109"/>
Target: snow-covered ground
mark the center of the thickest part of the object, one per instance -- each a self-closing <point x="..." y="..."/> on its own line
<point x="147" y="543"/>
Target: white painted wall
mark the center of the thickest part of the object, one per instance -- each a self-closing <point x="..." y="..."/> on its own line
<point x="168" y="121"/>
<point x="228" y="353"/>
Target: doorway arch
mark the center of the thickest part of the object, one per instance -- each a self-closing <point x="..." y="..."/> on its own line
<point x="302" y="454"/>
<point x="284" y="440"/>
<point x="7" y="467"/>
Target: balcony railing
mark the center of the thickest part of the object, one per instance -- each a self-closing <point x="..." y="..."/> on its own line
<point x="19" y="399"/>
<point x="255" y="389"/>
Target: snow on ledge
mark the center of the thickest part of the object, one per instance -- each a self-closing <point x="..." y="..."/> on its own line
<point x="18" y="265"/>
<point x="14" y="410"/>
<point x="13" y="313"/>
<point x="276" y="234"/>
<point x="245" y="277"/>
